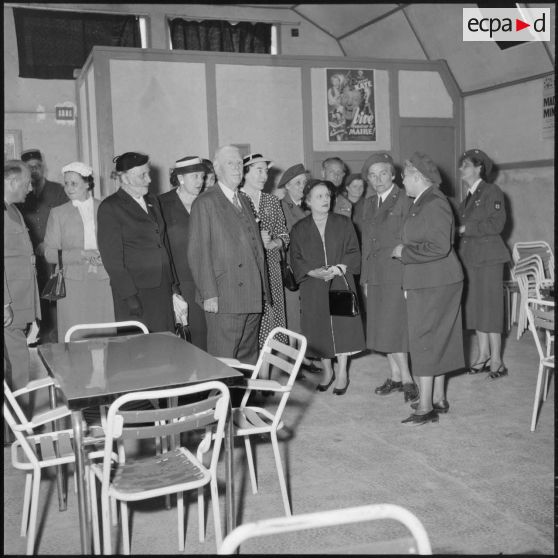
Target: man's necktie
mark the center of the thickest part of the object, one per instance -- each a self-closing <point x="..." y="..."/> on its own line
<point x="467" y="198"/>
<point x="379" y="202"/>
<point x="236" y="202"/>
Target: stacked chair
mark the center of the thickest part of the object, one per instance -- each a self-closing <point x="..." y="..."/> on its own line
<point x="540" y="317"/>
<point x="533" y="271"/>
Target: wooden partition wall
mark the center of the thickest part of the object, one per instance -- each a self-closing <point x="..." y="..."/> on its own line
<point x="170" y="104"/>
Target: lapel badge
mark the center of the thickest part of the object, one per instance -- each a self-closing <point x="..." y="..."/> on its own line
<point x="497" y="205"/>
<point x="477" y="203"/>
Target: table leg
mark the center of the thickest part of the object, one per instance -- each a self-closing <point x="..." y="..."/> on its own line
<point x="61" y="470"/>
<point x="83" y="495"/>
<point x="229" y="475"/>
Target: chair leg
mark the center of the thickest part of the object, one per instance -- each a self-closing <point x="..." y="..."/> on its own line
<point x="201" y="514"/>
<point x="216" y="513"/>
<point x="113" y="512"/>
<point x="125" y="528"/>
<point x="180" y="514"/>
<point x="280" y="473"/>
<point x="94" y="512"/>
<point x="251" y="468"/>
<point x="33" y="513"/>
<point x="537" y="398"/>
<point x="106" y="524"/>
<point x="26" y="504"/>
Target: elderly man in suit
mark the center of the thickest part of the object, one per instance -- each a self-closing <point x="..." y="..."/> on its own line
<point x="45" y="195"/>
<point x="133" y="246"/>
<point x="226" y="256"/>
<point x="21" y="296"/>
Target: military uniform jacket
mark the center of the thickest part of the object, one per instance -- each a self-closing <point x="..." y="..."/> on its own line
<point x="293" y="213"/>
<point x="428" y="256"/>
<point x="132" y="243"/>
<point x="342" y="206"/>
<point x="382" y="229"/>
<point x="20" y="279"/>
<point x="484" y="217"/>
<point x="226" y="254"/>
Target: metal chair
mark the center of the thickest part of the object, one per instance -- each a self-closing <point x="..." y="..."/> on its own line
<point x="315" y="520"/>
<point x="249" y="420"/>
<point x="523" y="250"/>
<point x="127" y="323"/>
<point x="528" y="274"/>
<point x="175" y="471"/>
<point x="540" y="317"/>
<point x="32" y="452"/>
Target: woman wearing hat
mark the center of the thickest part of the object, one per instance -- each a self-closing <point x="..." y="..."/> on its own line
<point x="433" y="283"/>
<point x="187" y="178"/>
<point x="274" y="236"/>
<point x="382" y="276"/>
<point x="133" y="245"/>
<point x="324" y="247"/>
<point x="72" y="229"/>
<point x="482" y="216"/>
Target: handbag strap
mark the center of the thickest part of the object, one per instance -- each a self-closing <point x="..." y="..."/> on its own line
<point x="60" y="260"/>
<point x="344" y="279"/>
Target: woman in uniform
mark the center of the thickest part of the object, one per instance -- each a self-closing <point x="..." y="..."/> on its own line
<point x="433" y="284"/>
<point x="381" y="275"/>
<point x="324" y="246"/>
<point x="482" y="217"/>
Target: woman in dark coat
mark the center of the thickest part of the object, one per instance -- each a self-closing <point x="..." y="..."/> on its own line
<point x="188" y="179"/>
<point x="482" y="217"/>
<point x="324" y="245"/>
<point x="433" y="283"/>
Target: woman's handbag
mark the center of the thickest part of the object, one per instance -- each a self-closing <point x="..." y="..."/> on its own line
<point x="286" y="272"/>
<point x="55" y="287"/>
<point x="343" y="303"/>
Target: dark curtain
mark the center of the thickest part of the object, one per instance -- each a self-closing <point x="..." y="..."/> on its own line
<point x="220" y="36"/>
<point x="51" y="44"/>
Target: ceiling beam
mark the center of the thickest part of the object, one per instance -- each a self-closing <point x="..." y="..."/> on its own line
<point x="415" y="34"/>
<point x="376" y="19"/>
<point x="321" y="29"/>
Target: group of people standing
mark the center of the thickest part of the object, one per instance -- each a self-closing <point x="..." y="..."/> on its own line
<point x="208" y="252"/>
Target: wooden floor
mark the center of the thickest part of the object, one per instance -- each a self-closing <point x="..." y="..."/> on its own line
<point x="479" y="480"/>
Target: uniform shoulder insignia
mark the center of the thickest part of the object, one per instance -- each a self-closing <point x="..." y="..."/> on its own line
<point x="497" y="205"/>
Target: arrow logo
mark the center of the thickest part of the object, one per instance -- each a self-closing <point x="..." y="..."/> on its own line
<point x="519" y="25"/>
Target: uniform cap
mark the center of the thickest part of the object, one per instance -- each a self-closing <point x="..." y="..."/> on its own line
<point x="478" y="154"/>
<point x="290" y="173"/>
<point x="376" y="157"/>
<point x="424" y="164"/>
<point x="29" y="154"/>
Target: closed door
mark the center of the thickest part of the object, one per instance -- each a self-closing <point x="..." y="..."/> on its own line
<point x="439" y="143"/>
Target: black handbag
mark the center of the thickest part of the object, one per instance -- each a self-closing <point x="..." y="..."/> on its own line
<point x="183" y="331"/>
<point x="287" y="273"/>
<point x="343" y="302"/>
<point x="55" y="287"/>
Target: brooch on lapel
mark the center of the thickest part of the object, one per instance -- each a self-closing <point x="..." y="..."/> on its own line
<point x="497" y="205"/>
<point x="477" y="203"/>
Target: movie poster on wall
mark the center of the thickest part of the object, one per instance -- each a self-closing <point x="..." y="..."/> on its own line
<point x="351" y="109"/>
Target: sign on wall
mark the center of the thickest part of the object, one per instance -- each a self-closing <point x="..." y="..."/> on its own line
<point x="351" y="109"/>
<point x="548" y="105"/>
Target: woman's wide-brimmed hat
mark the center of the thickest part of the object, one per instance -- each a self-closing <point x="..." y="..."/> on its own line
<point x="187" y="165"/>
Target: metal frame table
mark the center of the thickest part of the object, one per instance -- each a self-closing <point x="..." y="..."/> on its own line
<point x="96" y="371"/>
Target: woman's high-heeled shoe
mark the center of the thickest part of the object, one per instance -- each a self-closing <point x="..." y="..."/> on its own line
<point x="341" y="391"/>
<point x="325" y="387"/>
<point x="441" y="407"/>
<point x="480" y="367"/>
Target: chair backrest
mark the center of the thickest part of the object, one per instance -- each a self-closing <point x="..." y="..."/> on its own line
<point x="523" y="250"/>
<point x="540" y="316"/>
<point x="330" y="518"/>
<point x="107" y="325"/>
<point x="12" y="405"/>
<point x="170" y="418"/>
<point x="284" y="356"/>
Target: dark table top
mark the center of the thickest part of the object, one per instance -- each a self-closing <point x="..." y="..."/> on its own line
<point x="96" y="371"/>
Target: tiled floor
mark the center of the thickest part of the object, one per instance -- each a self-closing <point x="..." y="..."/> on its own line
<point x="479" y="480"/>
